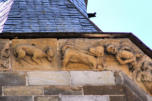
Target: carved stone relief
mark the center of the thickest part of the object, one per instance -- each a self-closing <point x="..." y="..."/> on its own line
<point x="107" y="54"/>
<point x="79" y="55"/>
<point x="144" y="73"/>
<point x="34" y="54"/>
<point x="4" y="54"/>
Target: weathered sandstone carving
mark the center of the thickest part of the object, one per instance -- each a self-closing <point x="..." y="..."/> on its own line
<point x="4" y="55"/>
<point x="124" y="55"/>
<point x="22" y="50"/>
<point x="144" y="74"/>
<point x="91" y="58"/>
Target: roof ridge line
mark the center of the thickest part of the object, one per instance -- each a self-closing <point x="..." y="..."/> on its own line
<point x="96" y="27"/>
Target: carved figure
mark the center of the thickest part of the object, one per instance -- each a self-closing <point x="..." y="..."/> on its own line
<point x="145" y="72"/>
<point x="98" y="52"/>
<point x="123" y="55"/>
<point x="22" y="50"/>
<point x="112" y="49"/>
<point x="72" y="55"/>
<point x="5" y="51"/>
<point x="4" y="55"/>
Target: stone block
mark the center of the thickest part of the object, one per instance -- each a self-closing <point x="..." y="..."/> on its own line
<point x="103" y="90"/>
<point x="12" y="79"/>
<point x="49" y="78"/>
<point x="92" y="78"/>
<point x="34" y="54"/>
<point x="118" y="98"/>
<point x="46" y="98"/>
<point x="85" y="98"/>
<point x="22" y="90"/>
<point x="64" y="90"/>
<point x="4" y="54"/>
<point x="16" y="98"/>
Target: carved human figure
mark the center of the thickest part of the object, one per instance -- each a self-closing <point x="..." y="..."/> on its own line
<point x="90" y="58"/>
<point x="123" y="55"/>
<point x="22" y="50"/>
<point x="5" y="51"/>
<point x="4" y="55"/>
<point x="112" y="49"/>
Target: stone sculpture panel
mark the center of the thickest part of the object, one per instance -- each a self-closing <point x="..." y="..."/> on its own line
<point x="77" y="54"/>
<point x="4" y="54"/>
<point x="34" y="54"/>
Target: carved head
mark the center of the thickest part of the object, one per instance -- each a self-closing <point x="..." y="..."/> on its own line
<point x="112" y="49"/>
<point x="50" y="53"/>
<point x="97" y="51"/>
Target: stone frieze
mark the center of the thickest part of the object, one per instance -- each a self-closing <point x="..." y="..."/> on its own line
<point x="77" y="54"/>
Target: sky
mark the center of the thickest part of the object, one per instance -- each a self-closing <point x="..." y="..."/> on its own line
<point x="124" y="16"/>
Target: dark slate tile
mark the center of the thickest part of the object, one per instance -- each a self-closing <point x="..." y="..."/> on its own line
<point x="47" y="13"/>
<point x="12" y="79"/>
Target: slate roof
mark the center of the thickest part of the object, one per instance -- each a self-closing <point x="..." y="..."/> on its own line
<point x="48" y="16"/>
<point x="81" y="5"/>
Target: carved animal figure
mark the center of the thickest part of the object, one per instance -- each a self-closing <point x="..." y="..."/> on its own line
<point x="72" y="55"/>
<point x="22" y="50"/>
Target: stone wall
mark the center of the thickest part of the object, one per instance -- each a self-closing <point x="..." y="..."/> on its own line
<point x="53" y="69"/>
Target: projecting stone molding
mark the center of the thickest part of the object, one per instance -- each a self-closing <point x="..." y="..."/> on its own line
<point x="79" y="54"/>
